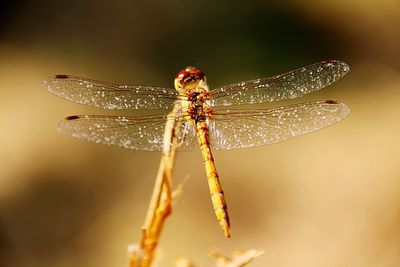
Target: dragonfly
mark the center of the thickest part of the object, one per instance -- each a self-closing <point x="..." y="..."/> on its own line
<point x="201" y="117"/>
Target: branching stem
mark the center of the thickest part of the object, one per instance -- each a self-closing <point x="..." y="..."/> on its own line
<point x="160" y="204"/>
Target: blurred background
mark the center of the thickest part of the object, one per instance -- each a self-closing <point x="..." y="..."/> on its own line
<point x="331" y="198"/>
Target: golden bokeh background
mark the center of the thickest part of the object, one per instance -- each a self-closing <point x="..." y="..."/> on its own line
<point x="331" y="198"/>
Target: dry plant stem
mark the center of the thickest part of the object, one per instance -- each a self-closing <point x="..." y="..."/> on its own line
<point x="182" y="262"/>
<point x="240" y="258"/>
<point x="160" y="204"/>
<point x="156" y="219"/>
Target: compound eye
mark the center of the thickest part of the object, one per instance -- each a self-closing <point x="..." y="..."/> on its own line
<point x="178" y="82"/>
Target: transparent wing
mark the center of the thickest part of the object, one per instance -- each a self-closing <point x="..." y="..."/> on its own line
<point x="251" y="128"/>
<point x="139" y="133"/>
<point x="108" y="95"/>
<point x="289" y="85"/>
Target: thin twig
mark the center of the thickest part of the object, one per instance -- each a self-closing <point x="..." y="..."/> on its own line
<point x="160" y="208"/>
<point x="239" y="259"/>
<point x="160" y="204"/>
<point x="183" y="262"/>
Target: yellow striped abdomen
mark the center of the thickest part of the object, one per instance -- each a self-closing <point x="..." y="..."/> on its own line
<point x="217" y="195"/>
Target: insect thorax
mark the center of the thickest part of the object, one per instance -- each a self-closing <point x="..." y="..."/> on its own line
<point x="191" y="84"/>
<point x="195" y="103"/>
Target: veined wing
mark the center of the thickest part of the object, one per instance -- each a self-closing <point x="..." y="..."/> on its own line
<point x="293" y="84"/>
<point x="108" y="95"/>
<point x="230" y="129"/>
<point x="140" y="133"/>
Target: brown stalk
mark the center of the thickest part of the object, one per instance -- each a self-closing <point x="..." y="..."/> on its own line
<point x="161" y="207"/>
<point x="160" y="204"/>
<point x="239" y="259"/>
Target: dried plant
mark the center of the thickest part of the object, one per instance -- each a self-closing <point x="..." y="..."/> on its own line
<point x="239" y="259"/>
<point x="160" y="203"/>
<point x="143" y="254"/>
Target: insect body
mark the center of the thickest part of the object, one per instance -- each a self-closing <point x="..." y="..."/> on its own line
<point x="192" y="83"/>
